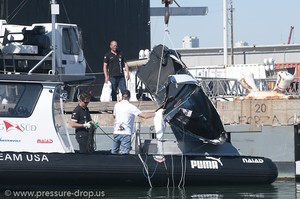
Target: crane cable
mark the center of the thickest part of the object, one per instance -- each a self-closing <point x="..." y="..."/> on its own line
<point x="167" y="33"/>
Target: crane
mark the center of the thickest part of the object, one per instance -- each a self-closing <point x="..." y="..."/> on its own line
<point x="290" y="36"/>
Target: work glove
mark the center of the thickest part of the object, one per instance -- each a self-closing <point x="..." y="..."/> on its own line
<point x="87" y="125"/>
<point x="96" y="125"/>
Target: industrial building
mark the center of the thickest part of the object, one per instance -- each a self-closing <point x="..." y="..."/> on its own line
<point x="283" y="57"/>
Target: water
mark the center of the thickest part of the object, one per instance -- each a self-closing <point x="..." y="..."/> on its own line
<point x="279" y="189"/>
<point x="276" y="190"/>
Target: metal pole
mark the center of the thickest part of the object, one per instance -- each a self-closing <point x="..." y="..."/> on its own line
<point x="54" y="12"/>
<point x="40" y="62"/>
<point x="225" y="31"/>
<point x="137" y="143"/>
<point x="231" y="33"/>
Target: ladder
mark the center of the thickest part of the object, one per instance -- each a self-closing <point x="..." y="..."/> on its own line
<point x="8" y="64"/>
<point x="9" y="68"/>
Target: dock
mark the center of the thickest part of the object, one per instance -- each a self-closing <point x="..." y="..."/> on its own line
<point x="265" y="127"/>
<point x="102" y="107"/>
<point x="103" y="111"/>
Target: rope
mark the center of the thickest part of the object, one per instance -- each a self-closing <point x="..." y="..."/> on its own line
<point x="183" y="166"/>
<point x="205" y="141"/>
<point x="161" y="58"/>
<point x="168" y="183"/>
<point x="146" y="169"/>
<point x="16" y="10"/>
<point x="91" y="144"/>
<point x="66" y="11"/>
<point x="183" y="184"/>
<point x="111" y="137"/>
<point x="176" y="3"/>
<point x="139" y="155"/>
<point x="114" y="139"/>
<point x="167" y="32"/>
<point x="173" y="47"/>
<point x="183" y="171"/>
<point x="172" y="171"/>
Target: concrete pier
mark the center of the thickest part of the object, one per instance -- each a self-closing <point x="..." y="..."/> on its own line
<point x="265" y="127"/>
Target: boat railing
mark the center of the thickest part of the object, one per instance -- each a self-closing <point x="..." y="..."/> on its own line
<point x="40" y="62"/>
<point x="228" y="88"/>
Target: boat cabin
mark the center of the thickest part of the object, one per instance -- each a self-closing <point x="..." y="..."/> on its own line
<point x="31" y="113"/>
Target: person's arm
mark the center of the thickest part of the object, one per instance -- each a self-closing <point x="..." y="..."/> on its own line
<point x="106" y="76"/>
<point x="126" y="71"/>
<point x="75" y="118"/>
<point x="75" y="124"/>
<point x="146" y="115"/>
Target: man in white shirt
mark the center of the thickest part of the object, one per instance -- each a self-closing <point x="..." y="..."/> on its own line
<point x="124" y="114"/>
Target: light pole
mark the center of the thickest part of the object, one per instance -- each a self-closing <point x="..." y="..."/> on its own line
<point x="231" y="33"/>
<point x="225" y="32"/>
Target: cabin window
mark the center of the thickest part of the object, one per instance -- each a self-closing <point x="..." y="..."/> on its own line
<point x="70" y="41"/>
<point x="18" y="100"/>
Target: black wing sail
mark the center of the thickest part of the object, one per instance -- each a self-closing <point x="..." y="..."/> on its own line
<point x="188" y="110"/>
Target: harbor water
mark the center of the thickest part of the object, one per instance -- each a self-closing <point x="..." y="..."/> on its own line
<point x="279" y="189"/>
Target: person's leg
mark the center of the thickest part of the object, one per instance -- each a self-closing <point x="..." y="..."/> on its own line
<point x="125" y="144"/>
<point x="82" y="140"/>
<point x="91" y="141"/>
<point x="122" y="84"/>
<point x="116" y="144"/>
<point x="114" y="86"/>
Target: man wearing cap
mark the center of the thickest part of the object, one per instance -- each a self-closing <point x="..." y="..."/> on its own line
<point x="124" y="114"/>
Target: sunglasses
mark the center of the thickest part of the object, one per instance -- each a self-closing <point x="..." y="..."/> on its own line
<point x="86" y="102"/>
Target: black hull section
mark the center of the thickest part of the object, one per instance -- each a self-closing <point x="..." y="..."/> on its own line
<point x="155" y="73"/>
<point x="188" y="110"/>
<point x="40" y="169"/>
<point x="203" y="122"/>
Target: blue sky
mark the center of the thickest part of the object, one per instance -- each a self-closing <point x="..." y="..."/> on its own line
<point x="257" y="22"/>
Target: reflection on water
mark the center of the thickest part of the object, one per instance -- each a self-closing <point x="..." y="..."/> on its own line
<point x="278" y="190"/>
<point x="298" y="190"/>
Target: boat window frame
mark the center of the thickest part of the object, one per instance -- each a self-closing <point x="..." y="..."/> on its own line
<point x="20" y="99"/>
<point x="70" y="41"/>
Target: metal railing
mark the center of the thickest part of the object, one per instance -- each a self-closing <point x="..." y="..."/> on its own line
<point x="226" y="88"/>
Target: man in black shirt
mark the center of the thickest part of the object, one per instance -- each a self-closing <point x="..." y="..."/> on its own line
<point x="81" y="120"/>
<point x="113" y="65"/>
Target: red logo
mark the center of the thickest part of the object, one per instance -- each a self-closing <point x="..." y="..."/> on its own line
<point x="159" y="158"/>
<point x="9" y="126"/>
<point x="44" y="141"/>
